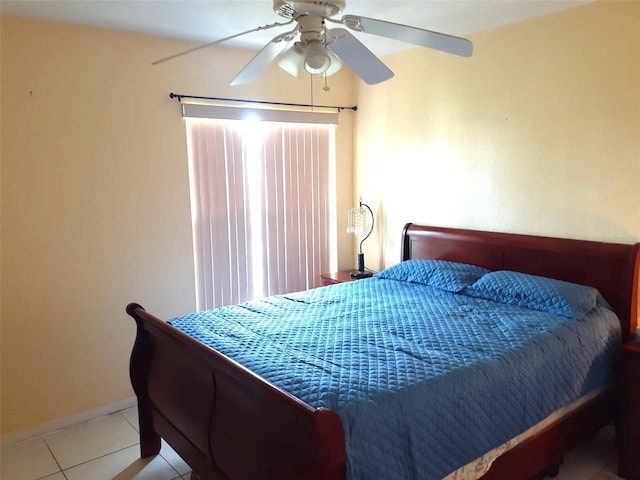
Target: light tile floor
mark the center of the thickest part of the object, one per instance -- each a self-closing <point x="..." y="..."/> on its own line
<point x="107" y="449"/>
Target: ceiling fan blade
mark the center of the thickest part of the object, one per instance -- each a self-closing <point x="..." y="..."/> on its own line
<point x="358" y="57"/>
<point x="263" y="58"/>
<point x="220" y="40"/>
<point x="417" y="36"/>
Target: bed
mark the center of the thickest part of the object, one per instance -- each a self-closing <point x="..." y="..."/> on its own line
<point x="228" y="422"/>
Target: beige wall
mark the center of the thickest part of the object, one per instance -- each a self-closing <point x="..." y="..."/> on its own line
<point x="538" y="132"/>
<point x="95" y="201"/>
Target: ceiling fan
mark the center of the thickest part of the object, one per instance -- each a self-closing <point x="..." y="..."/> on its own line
<point x="312" y="47"/>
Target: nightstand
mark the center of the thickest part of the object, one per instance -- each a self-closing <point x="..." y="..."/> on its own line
<point x="629" y="461"/>
<point x="336" y="277"/>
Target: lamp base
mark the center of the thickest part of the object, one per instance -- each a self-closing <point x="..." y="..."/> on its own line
<point x="359" y="274"/>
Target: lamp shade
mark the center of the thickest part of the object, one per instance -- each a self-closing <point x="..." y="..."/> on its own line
<point x="296" y="58"/>
<point x="360" y="223"/>
<point x="316" y="58"/>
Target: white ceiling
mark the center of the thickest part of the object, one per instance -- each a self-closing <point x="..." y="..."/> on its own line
<point x="206" y="20"/>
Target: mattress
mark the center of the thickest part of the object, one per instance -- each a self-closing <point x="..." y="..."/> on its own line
<point x="481" y="465"/>
<point x="427" y="375"/>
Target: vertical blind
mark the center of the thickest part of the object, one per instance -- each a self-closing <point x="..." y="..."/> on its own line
<point x="261" y="198"/>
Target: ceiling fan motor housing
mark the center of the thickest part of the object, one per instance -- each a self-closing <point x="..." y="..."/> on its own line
<point x="292" y="9"/>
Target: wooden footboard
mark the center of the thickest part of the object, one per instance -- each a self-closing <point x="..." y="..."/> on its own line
<point x="225" y="421"/>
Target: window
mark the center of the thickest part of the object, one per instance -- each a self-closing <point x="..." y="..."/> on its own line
<point x="262" y="201"/>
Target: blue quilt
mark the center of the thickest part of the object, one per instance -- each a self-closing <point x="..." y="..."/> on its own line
<point x="425" y="379"/>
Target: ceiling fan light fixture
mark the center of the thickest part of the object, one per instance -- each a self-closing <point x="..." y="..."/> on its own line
<point x="291" y="61"/>
<point x="316" y="58"/>
<point x="336" y="64"/>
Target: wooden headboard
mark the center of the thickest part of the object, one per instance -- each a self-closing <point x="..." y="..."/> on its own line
<point x="612" y="268"/>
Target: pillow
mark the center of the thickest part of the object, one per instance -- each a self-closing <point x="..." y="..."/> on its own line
<point x="449" y="276"/>
<point x="544" y="294"/>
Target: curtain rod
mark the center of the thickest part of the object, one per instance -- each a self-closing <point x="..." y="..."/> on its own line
<point x="180" y="97"/>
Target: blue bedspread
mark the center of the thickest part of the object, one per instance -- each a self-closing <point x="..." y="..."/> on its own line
<point x="424" y="380"/>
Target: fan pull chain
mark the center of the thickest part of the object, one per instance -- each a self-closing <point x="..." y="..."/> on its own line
<point x="326" y="87"/>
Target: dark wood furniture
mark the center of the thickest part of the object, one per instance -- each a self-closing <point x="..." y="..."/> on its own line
<point x="629" y="421"/>
<point x="228" y="423"/>
<point x="336" y="277"/>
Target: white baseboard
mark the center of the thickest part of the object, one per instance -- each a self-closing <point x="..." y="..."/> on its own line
<point x="50" y="427"/>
